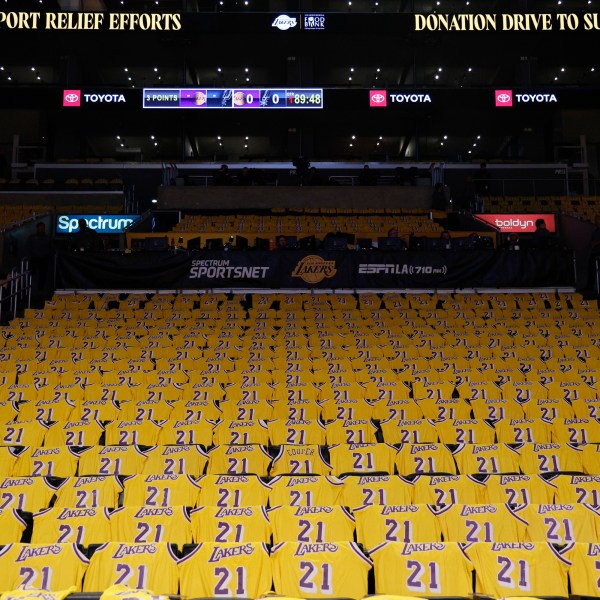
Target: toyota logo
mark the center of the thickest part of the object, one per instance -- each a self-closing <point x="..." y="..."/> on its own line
<point x="503" y="98"/>
<point x="71" y="98"/>
<point x="378" y="98"/>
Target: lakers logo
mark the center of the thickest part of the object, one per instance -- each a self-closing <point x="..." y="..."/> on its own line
<point x="313" y="269"/>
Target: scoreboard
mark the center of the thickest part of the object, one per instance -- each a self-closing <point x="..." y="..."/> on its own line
<point x="233" y="98"/>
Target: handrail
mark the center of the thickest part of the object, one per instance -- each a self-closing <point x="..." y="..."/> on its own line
<point x="18" y="283"/>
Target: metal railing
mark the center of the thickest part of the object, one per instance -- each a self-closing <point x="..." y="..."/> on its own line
<point x="355" y="179"/>
<point x="15" y="289"/>
<point x="525" y="187"/>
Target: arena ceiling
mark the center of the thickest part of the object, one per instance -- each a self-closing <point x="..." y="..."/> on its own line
<point x="367" y="45"/>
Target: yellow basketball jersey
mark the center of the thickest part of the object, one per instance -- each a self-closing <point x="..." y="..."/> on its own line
<point x="25" y="433"/>
<point x="225" y="525"/>
<point x="474" y="459"/>
<point x="367" y="490"/>
<point x="89" y="492"/>
<point x="30" y="494"/>
<point x="247" y="409"/>
<point x="160" y="490"/>
<point x="196" y="409"/>
<point x="203" y="387"/>
<point x="445" y="408"/>
<point x="469" y="523"/>
<point x="518" y="489"/>
<point x="8" y="461"/>
<point x="37" y="594"/>
<point x="494" y="409"/>
<point x="587" y="408"/>
<point x="296" y="432"/>
<point x="403" y="431"/>
<point x="560" y="523"/>
<point x="550" y="458"/>
<point x="421" y="459"/>
<point x="226" y="570"/>
<point x="575" y="431"/>
<point x="97" y="409"/>
<point x="60" y="461"/>
<point x="146" y="566"/>
<point x="305" y="490"/>
<point x="185" y="432"/>
<point x="362" y="458"/>
<point x="576" y="488"/>
<point x="296" y="460"/>
<point x="589" y="458"/>
<point x="377" y="524"/>
<point x="74" y="433"/>
<point x="12" y="526"/>
<point x="238" y="460"/>
<point x="422" y="569"/>
<point x="51" y="567"/>
<point x="126" y="433"/>
<point x="441" y="490"/>
<point x="233" y="490"/>
<point x="397" y="407"/>
<point x="148" y="524"/>
<point x="428" y="391"/>
<point x="175" y="460"/>
<point x="82" y="526"/>
<point x="296" y="410"/>
<point x="52" y="409"/>
<point x="150" y="409"/>
<point x="518" y="431"/>
<point x="311" y="524"/>
<point x="111" y="460"/>
<point x="518" y="569"/>
<point x="307" y="570"/>
<point x="347" y="409"/>
<point x="9" y="410"/>
<point x="465" y="431"/>
<point x="241" y="432"/>
<point x="351" y="431"/>
<point x="584" y="569"/>
<point x="547" y="409"/>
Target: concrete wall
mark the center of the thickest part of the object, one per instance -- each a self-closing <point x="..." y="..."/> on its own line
<point x="296" y="197"/>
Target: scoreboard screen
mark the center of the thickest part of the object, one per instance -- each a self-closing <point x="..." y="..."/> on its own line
<point x="233" y="98"/>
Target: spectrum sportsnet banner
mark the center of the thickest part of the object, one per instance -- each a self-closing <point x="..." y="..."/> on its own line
<point x="450" y="269"/>
<point x="232" y="269"/>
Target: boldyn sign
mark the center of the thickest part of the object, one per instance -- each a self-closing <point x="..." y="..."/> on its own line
<point x="101" y="223"/>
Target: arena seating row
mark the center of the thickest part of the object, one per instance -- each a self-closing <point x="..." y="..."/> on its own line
<point x="70" y="184"/>
<point x="387" y="370"/>
<point x="584" y="207"/>
<point x="408" y="459"/>
<point x="306" y="570"/>
<point x="14" y="214"/>
<point x="36" y="430"/>
<point x="318" y="224"/>
<point x="33" y="494"/>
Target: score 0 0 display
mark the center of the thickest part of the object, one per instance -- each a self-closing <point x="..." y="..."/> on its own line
<point x="233" y="98"/>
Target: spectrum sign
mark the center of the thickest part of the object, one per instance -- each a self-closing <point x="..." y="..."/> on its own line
<point x="517" y="222"/>
<point x="101" y="223"/>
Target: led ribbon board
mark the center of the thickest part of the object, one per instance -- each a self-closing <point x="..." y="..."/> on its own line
<point x="233" y="98"/>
